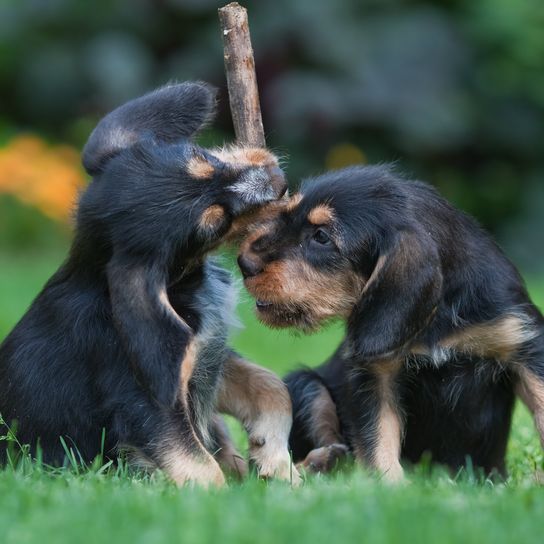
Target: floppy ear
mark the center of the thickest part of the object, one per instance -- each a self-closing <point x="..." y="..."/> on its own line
<point x="400" y="297"/>
<point x="154" y="336"/>
<point x="167" y="114"/>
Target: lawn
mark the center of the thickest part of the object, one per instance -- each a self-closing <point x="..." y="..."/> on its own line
<point x="112" y="504"/>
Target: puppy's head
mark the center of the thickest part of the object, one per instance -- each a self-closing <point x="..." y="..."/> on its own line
<point x="153" y="188"/>
<point x="347" y="246"/>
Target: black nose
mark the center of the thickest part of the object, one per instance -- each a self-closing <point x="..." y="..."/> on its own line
<point x="250" y="266"/>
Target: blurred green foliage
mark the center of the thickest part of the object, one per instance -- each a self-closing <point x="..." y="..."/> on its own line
<point x="24" y="227"/>
<point x="451" y="90"/>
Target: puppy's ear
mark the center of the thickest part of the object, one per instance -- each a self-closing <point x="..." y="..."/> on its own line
<point x="166" y="114"/>
<point x="400" y="297"/>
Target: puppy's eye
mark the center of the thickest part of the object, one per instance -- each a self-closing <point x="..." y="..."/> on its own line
<point x="321" y="237"/>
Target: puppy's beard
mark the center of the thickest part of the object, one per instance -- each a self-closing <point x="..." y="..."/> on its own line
<point x="283" y="316"/>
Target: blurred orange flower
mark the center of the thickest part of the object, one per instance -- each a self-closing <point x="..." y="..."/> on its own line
<point x="48" y="177"/>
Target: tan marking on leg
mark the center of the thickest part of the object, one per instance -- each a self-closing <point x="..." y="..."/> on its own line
<point x="498" y="339"/>
<point x="389" y="443"/>
<point x="389" y="440"/>
<point x="188" y="468"/>
<point x="260" y="400"/>
<point x="167" y="307"/>
<point x="293" y="202"/>
<point x="187" y="370"/>
<point x="189" y="463"/>
<point x="212" y="217"/>
<point x="321" y="215"/>
<point x="531" y="391"/>
<point x="188" y="366"/>
<point x="199" y="168"/>
<point x="181" y="467"/>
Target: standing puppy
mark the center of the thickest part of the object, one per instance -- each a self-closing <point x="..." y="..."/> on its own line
<point x="129" y="336"/>
<point x="440" y="331"/>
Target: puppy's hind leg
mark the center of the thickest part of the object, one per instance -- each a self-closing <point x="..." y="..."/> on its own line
<point x="167" y="435"/>
<point x="260" y="400"/>
<point x="374" y="418"/>
<point x="185" y="461"/>
<point x="224" y="450"/>
<point x="166" y="439"/>
<point x="315" y="438"/>
<point x="530" y="387"/>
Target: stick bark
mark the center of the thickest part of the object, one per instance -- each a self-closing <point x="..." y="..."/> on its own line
<point x="241" y="78"/>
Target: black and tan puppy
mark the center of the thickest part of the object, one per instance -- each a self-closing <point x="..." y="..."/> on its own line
<point x="440" y="331"/>
<point x="129" y="336"/>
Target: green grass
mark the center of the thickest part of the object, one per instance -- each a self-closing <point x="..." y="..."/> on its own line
<point x="114" y="504"/>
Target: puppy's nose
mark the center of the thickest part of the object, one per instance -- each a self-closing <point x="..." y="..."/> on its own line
<point x="277" y="180"/>
<point x="249" y="266"/>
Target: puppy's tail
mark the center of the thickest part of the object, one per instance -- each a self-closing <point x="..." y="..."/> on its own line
<point x="315" y="419"/>
<point x="167" y="114"/>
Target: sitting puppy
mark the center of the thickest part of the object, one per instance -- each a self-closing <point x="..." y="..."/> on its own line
<point x="129" y="336"/>
<point x="440" y="331"/>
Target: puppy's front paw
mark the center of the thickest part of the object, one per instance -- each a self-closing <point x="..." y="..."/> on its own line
<point x="259" y="178"/>
<point x="393" y="474"/>
<point x="273" y="461"/>
<point x="263" y="164"/>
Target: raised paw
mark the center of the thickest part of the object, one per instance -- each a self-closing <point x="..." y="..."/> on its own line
<point x="256" y="166"/>
<point x="324" y="459"/>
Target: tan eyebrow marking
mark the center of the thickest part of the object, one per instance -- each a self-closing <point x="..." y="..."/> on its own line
<point x="212" y="217"/>
<point x="320" y="215"/>
<point x="199" y="168"/>
<point x="293" y="202"/>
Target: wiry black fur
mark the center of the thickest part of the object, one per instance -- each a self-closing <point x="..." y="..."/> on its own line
<point x="455" y="414"/>
<point x="102" y="345"/>
<point x="431" y="272"/>
<point x="304" y="385"/>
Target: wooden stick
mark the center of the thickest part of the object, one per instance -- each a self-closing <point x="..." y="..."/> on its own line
<point x="241" y="79"/>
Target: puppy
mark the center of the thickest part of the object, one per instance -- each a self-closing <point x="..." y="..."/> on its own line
<point x="129" y="336"/>
<point x="440" y="330"/>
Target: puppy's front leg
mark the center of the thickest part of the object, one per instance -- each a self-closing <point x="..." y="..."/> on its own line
<point x="260" y="400"/>
<point x="374" y="417"/>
